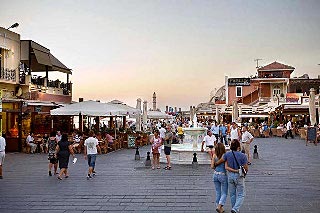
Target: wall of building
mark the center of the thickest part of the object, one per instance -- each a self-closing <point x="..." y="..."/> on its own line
<point x="40" y="96"/>
<point x="246" y="90"/>
<point x="10" y="54"/>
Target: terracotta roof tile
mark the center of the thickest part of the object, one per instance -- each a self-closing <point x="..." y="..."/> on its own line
<point x="276" y="66"/>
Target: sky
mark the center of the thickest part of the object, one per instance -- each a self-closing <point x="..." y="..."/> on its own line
<point x="180" y="49"/>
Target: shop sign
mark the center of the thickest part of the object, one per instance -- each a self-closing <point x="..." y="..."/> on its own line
<point x="239" y="82"/>
<point x="37" y="109"/>
<point x="305" y="100"/>
<point x="294" y="98"/>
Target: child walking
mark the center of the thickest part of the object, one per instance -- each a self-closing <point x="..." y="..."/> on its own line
<point x="156" y="148"/>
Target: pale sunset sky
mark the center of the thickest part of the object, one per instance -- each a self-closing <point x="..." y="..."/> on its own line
<point x="180" y="49"/>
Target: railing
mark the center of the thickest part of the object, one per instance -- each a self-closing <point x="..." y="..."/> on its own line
<point x="7" y="74"/>
<point x="39" y="82"/>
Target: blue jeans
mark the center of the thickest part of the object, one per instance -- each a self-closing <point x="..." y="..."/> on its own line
<point x="237" y="190"/>
<point x="92" y="160"/>
<point x="224" y="139"/>
<point x="221" y="184"/>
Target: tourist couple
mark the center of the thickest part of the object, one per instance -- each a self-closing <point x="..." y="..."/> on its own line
<point x="227" y="173"/>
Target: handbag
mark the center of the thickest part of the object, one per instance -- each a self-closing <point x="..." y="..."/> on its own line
<point x="242" y="170"/>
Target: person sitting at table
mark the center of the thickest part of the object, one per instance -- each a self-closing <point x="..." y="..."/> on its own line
<point x="30" y="142"/>
<point x="110" y="142"/>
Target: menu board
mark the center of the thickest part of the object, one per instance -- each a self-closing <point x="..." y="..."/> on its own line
<point x="312" y="134"/>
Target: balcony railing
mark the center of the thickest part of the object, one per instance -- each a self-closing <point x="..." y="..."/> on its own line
<point x="7" y="74"/>
<point x="39" y="82"/>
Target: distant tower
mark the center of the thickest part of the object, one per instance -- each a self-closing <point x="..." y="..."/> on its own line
<point x="154" y="102"/>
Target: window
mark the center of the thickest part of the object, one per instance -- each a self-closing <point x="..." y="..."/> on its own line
<point x="276" y="91"/>
<point x="238" y="91"/>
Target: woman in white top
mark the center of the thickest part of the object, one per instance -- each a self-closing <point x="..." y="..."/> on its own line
<point x="235" y="132"/>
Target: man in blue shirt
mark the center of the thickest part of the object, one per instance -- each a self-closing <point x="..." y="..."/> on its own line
<point x="223" y="134"/>
<point x="215" y="130"/>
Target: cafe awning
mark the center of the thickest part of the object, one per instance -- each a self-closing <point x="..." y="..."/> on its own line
<point x="40" y="58"/>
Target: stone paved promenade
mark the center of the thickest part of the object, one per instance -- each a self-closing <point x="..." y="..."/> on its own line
<point x="286" y="178"/>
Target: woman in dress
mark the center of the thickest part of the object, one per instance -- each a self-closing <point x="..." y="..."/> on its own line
<point x="63" y="151"/>
<point x="220" y="178"/>
<point x="52" y="145"/>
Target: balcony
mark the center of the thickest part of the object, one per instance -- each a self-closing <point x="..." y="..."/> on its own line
<point x="55" y="87"/>
<point x="8" y="75"/>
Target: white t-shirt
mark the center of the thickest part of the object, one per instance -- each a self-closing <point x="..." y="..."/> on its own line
<point x="246" y="136"/>
<point x="2" y="144"/>
<point x="289" y="125"/>
<point x="209" y="140"/>
<point x="91" y="145"/>
<point x="30" y="139"/>
<point x="162" y="132"/>
<point x="234" y="134"/>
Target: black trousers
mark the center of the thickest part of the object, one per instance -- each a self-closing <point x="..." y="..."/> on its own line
<point x="289" y="132"/>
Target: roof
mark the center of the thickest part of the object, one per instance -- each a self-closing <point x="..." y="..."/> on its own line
<point x="275" y="66"/>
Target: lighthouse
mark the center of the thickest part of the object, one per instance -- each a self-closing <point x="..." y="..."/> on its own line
<point x="154" y="102"/>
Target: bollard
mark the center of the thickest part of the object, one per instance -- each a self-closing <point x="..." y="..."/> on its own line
<point x="137" y="155"/>
<point x="148" y="160"/>
<point x="194" y="161"/>
<point x="255" y="152"/>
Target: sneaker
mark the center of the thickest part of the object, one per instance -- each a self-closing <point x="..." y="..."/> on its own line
<point x="249" y="163"/>
<point x="89" y="176"/>
<point x="94" y="173"/>
<point x="233" y="211"/>
<point x="50" y="174"/>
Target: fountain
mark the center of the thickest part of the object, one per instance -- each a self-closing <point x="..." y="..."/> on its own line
<point x="183" y="153"/>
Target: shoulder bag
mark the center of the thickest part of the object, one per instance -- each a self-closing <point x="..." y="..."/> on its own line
<point x="242" y="170"/>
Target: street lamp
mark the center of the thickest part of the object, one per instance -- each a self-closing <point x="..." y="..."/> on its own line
<point x="13" y="26"/>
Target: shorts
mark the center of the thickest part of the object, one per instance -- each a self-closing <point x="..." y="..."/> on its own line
<point x="210" y="146"/>
<point x="53" y="160"/>
<point x="157" y="154"/>
<point x="167" y="150"/>
<point x="92" y="160"/>
<point x="245" y="147"/>
<point x="2" y="155"/>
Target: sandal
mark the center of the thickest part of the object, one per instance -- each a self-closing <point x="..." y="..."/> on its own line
<point x="152" y="168"/>
<point x="167" y="168"/>
<point x="158" y="167"/>
<point x="59" y="178"/>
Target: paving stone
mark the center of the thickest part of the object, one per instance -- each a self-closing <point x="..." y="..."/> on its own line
<point x="285" y="179"/>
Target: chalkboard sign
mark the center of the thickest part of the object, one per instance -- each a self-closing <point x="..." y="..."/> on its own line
<point x="312" y="134"/>
<point x="131" y="141"/>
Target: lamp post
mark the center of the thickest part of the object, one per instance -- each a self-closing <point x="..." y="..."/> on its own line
<point x="13" y="26"/>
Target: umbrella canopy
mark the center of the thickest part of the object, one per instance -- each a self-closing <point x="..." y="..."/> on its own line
<point x="92" y="108"/>
<point x="158" y="115"/>
<point x="144" y="115"/>
<point x="124" y="109"/>
<point x="138" y="116"/>
<point x="235" y="111"/>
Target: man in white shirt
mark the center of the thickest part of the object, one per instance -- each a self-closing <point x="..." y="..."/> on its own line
<point x="289" y="130"/>
<point x="58" y="136"/>
<point x="246" y="140"/>
<point x="30" y="142"/>
<point x="162" y="132"/>
<point x="210" y="140"/>
<point x="91" y="147"/>
<point x="2" y="153"/>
